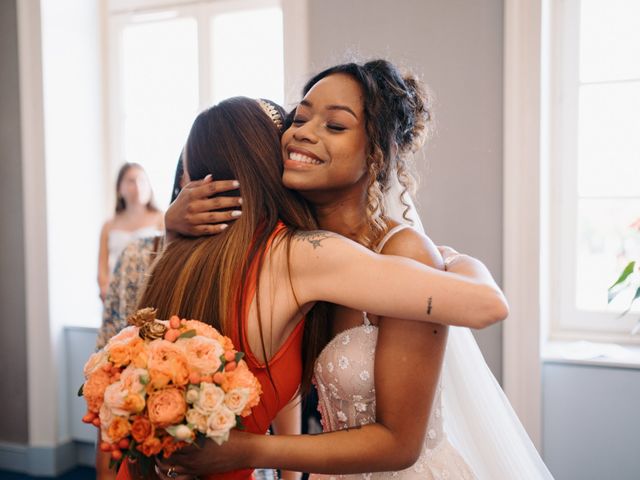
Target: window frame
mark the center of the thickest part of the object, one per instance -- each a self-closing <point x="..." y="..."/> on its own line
<point x="119" y="13"/>
<point x="566" y="321"/>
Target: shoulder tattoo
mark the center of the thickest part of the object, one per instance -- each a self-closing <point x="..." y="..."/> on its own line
<point x="314" y="237"/>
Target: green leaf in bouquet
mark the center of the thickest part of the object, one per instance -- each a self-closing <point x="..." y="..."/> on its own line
<point x="635" y="297"/>
<point x="239" y="356"/>
<point x="239" y="424"/>
<point x="188" y="334"/>
<point x="613" y="291"/>
<point x="81" y="390"/>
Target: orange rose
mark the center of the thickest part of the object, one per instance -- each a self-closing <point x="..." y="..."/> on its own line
<point x="242" y="377"/>
<point x="141" y="429"/>
<point x="170" y="445"/>
<point x="166" y="407"/>
<point x="167" y="363"/>
<point x="119" y="428"/>
<point x="151" y="446"/>
<point x="93" y="389"/>
<point x="121" y="353"/>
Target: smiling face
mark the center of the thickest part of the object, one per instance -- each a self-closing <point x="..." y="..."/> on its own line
<point x="325" y="149"/>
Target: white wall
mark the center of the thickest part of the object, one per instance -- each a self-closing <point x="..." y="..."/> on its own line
<point x="72" y="79"/>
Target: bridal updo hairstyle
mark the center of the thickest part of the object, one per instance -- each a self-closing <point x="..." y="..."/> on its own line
<point x="398" y="119"/>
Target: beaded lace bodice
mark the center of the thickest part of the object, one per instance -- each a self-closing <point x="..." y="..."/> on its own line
<point x="344" y="378"/>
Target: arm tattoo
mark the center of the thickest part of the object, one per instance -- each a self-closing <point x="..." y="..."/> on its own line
<point x="314" y="237"/>
<point x="429" y="303"/>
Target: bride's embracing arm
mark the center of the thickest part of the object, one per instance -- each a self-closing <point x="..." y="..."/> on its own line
<point x="326" y="266"/>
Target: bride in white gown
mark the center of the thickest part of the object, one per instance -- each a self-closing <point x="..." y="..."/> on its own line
<point x="469" y="411"/>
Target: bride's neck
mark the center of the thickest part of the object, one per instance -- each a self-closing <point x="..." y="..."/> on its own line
<point x="346" y="215"/>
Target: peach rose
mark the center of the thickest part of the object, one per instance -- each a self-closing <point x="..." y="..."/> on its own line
<point x="94" y="389"/>
<point x="167" y="363"/>
<point x="242" y="377"/>
<point x="151" y="446"/>
<point x="236" y="400"/>
<point x="202" y="329"/>
<point x="119" y="428"/>
<point x="118" y="398"/>
<point x="126" y="333"/>
<point x="166" y="407"/>
<point x="141" y="429"/>
<point x="210" y="398"/>
<point x="122" y="353"/>
<point x="219" y="424"/>
<point x="197" y="419"/>
<point x="96" y="361"/>
<point x="203" y="354"/>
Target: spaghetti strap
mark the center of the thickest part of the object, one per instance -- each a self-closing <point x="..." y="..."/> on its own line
<point x="388" y="236"/>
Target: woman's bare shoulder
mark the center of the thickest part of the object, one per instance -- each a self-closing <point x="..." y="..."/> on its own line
<point x="410" y="243"/>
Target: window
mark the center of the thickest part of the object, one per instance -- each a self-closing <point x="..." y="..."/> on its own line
<point x="169" y="62"/>
<point x="594" y="164"/>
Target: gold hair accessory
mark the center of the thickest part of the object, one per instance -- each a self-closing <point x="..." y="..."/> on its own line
<point x="273" y="113"/>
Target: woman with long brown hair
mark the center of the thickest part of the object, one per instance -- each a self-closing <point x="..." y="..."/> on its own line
<point x="258" y="280"/>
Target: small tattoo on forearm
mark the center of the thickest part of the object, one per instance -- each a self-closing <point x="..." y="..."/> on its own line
<point x="315" y="237"/>
<point x="429" y="303"/>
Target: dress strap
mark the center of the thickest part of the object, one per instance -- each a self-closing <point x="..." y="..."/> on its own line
<point x="388" y="236"/>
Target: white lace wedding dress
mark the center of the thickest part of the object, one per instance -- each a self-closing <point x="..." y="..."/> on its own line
<point x="344" y="378"/>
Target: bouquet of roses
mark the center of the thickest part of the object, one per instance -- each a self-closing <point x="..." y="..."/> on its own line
<point x="159" y="385"/>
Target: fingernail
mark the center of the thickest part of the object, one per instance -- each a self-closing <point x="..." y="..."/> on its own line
<point x="223" y="226"/>
<point x="240" y="201"/>
<point x="208" y="177"/>
<point x="236" y="183"/>
<point x="236" y="213"/>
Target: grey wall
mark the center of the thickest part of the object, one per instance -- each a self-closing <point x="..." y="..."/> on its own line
<point x="13" y="353"/>
<point x="456" y="46"/>
<point x="591" y="426"/>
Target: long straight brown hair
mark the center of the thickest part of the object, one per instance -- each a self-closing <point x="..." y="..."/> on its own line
<point x="206" y="278"/>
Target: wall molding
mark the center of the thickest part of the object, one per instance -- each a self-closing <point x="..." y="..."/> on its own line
<point x="522" y="228"/>
<point x="42" y="377"/>
<point x="44" y="461"/>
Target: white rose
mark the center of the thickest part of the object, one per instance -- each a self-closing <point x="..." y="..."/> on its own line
<point x="181" y="433"/>
<point x="135" y="379"/>
<point x="210" y="398"/>
<point x="219" y="424"/>
<point x="192" y="394"/>
<point x="236" y="399"/>
<point x="198" y="419"/>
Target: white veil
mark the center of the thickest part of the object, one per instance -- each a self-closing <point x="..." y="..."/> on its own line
<point x="478" y="418"/>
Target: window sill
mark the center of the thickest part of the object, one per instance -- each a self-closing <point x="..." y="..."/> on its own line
<point x="598" y="354"/>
